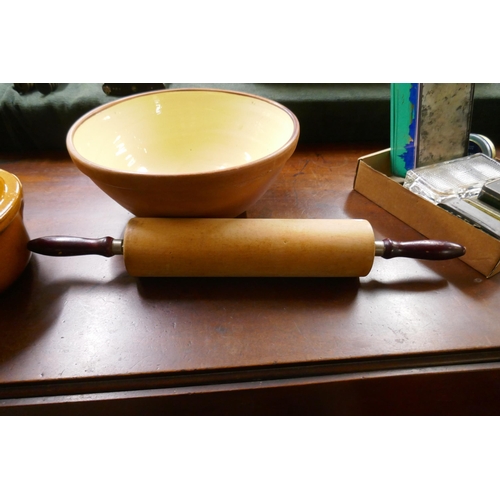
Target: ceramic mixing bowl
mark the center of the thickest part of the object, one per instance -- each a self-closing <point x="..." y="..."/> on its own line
<point x="185" y="152"/>
<point x="14" y="254"/>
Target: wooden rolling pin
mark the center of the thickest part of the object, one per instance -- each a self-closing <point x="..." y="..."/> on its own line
<point x="247" y="247"/>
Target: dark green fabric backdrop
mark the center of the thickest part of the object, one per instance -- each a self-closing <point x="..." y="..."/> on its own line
<point x="327" y="112"/>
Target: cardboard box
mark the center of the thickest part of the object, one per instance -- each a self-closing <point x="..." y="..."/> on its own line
<point x="373" y="180"/>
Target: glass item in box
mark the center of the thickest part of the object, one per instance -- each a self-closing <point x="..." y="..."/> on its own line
<point x="462" y="177"/>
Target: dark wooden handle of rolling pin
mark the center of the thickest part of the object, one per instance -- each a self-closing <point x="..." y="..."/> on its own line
<point x="68" y="246"/>
<point x="424" y="249"/>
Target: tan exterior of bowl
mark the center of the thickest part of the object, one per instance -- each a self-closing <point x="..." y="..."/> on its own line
<point x="14" y="254"/>
<point x="218" y="193"/>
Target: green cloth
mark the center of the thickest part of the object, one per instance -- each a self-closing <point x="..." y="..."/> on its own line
<point x="34" y="121"/>
<point x="328" y="113"/>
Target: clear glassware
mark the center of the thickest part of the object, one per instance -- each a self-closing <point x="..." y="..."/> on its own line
<point x="462" y="177"/>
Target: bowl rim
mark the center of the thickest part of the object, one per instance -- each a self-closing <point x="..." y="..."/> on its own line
<point x="11" y="198"/>
<point x="73" y="152"/>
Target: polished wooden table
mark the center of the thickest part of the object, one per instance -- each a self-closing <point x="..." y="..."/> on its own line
<point x="78" y="335"/>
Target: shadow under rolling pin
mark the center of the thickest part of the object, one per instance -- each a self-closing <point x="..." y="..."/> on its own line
<point x="155" y="247"/>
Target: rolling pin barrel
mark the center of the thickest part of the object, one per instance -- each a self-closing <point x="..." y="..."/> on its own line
<point x="248" y="247"/>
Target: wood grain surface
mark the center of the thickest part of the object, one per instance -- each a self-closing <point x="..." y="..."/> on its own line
<point x="79" y="335"/>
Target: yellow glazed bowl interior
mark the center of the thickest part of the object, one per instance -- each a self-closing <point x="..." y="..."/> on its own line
<point x="186" y="152"/>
